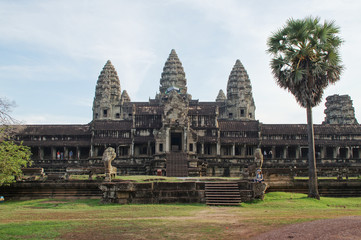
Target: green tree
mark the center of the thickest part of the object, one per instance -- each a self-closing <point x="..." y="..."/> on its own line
<point x="13" y="156"/>
<point x="305" y="60"/>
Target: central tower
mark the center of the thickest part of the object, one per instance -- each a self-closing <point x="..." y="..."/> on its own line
<point x="173" y="76"/>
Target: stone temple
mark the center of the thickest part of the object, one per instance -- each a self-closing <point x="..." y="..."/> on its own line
<point x="176" y="135"/>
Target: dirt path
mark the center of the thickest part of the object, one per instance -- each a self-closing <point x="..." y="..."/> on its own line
<point x="327" y="229"/>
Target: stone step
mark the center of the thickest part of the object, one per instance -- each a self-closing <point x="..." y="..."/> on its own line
<point x="177" y="164"/>
<point x="223" y="199"/>
<point x="222" y="193"/>
<point x="233" y="193"/>
<point x="223" y="204"/>
<point x="222" y="188"/>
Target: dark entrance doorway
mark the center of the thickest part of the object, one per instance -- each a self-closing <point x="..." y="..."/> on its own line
<point x="176" y="142"/>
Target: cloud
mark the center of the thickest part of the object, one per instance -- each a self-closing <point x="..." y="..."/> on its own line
<point x="52" y="118"/>
<point x="53" y="51"/>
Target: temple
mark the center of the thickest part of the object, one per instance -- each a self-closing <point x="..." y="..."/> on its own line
<point x="176" y="135"/>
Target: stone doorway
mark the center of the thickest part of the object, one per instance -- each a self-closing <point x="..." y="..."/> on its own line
<point x="176" y="142"/>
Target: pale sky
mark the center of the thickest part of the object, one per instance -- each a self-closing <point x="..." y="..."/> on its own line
<point x="52" y="52"/>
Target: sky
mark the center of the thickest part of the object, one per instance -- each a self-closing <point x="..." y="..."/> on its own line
<point x="52" y="52"/>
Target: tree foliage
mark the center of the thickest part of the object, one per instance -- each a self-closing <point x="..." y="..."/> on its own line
<point x="13" y="156"/>
<point x="306" y="58"/>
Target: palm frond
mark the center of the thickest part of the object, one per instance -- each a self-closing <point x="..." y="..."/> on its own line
<point x="306" y="57"/>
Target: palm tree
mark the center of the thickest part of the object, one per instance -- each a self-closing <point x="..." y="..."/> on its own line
<point x="305" y="60"/>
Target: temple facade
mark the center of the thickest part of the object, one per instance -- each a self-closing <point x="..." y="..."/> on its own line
<point x="176" y="135"/>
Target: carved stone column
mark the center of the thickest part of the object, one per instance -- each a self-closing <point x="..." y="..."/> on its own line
<point x="77" y="153"/>
<point x="53" y="153"/>
<point x="273" y="149"/>
<point x="323" y="152"/>
<point x="243" y="150"/>
<point x="167" y="140"/>
<point x="336" y="152"/>
<point x="348" y="154"/>
<point x="91" y="151"/>
<point x="96" y="151"/>
<point x="185" y="147"/>
<point x="66" y="153"/>
<point x="285" y="151"/>
<point x="298" y="152"/>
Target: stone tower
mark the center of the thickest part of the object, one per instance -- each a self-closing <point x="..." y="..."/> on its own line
<point x="125" y="97"/>
<point x="107" y="94"/>
<point x="173" y="76"/>
<point x="339" y="110"/>
<point x="221" y="96"/>
<point x="240" y="103"/>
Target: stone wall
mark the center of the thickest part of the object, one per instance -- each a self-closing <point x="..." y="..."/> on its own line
<point x="326" y="187"/>
<point x="153" y="192"/>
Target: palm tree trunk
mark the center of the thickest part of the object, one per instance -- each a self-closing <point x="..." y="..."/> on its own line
<point x="312" y="172"/>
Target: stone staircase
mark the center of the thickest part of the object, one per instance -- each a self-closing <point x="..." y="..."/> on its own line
<point x="177" y="164"/>
<point x="222" y="193"/>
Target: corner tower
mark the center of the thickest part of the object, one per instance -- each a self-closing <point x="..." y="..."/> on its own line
<point x="107" y="94"/>
<point x="240" y="102"/>
<point x="339" y="110"/>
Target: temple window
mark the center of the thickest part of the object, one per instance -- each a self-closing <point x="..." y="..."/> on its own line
<point x="230" y="115"/>
<point x="343" y="152"/>
<point x="105" y="113"/>
<point x="329" y="152"/>
<point x="117" y="115"/>
<point x="242" y="112"/>
<point x="160" y="147"/>
<point x="304" y="153"/>
<point x="191" y="147"/>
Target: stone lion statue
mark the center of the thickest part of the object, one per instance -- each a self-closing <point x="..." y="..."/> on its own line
<point x="108" y="156"/>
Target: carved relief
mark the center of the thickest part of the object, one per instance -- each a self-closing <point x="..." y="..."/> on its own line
<point x="175" y="110"/>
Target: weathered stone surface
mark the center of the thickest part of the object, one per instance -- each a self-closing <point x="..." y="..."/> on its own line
<point x="108" y="157"/>
<point x="125" y="97"/>
<point x="107" y="94"/>
<point x="173" y="76"/>
<point x="240" y="102"/>
<point x="339" y="110"/>
<point x="259" y="190"/>
<point x="221" y="97"/>
<point x="171" y="192"/>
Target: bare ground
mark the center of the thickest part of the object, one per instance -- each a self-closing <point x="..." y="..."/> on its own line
<point x="325" y="229"/>
<point x="234" y="227"/>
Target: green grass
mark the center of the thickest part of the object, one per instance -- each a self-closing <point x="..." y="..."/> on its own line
<point x="279" y="208"/>
<point x="301" y="201"/>
<point x="35" y="229"/>
<point x="54" y="219"/>
<point x="328" y="178"/>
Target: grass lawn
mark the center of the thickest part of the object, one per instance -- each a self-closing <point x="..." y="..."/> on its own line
<point x="88" y="219"/>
